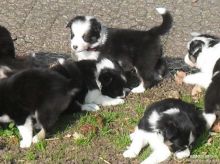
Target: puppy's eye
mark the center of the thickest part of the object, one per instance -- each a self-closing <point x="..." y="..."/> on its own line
<point x="94" y="38"/>
<point x="85" y="38"/>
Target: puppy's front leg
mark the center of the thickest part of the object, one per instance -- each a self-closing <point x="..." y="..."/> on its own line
<point x="201" y="79"/>
<point x="26" y="132"/>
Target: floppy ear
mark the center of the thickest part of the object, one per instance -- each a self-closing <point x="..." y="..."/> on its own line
<point x="105" y="78"/>
<point x="170" y="130"/>
<point x="70" y="23"/>
<point x="96" y="25"/>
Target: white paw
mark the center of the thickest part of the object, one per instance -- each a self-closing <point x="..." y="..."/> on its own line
<point x="35" y="139"/>
<point x="25" y="143"/>
<point x="182" y="154"/>
<point x="129" y="154"/>
<point x="188" y="80"/>
<point x="139" y="89"/>
<point x="113" y="102"/>
<point x="90" y="107"/>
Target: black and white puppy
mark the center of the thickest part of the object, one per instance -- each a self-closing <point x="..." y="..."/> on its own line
<point x="203" y="53"/>
<point x="35" y="94"/>
<point x="141" y="49"/>
<point x="169" y="126"/>
<point x="7" y="49"/>
<point x="104" y="83"/>
<point x="212" y="102"/>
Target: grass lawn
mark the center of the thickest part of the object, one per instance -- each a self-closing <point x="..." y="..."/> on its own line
<point x="101" y="137"/>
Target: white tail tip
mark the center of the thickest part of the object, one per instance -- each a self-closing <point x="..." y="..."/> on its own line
<point x="161" y="10"/>
<point x="195" y="34"/>
<point x="61" y="61"/>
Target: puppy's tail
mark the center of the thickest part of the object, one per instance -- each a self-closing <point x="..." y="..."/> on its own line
<point x="166" y="24"/>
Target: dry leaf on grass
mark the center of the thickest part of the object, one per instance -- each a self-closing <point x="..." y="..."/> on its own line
<point x="216" y="127"/>
<point x="88" y="128"/>
<point x="179" y="77"/>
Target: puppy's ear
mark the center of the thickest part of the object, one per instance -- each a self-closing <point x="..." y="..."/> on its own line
<point x="105" y="78"/>
<point x="70" y="23"/>
<point x="170" y="130"/>
<point x="96" y="25"/>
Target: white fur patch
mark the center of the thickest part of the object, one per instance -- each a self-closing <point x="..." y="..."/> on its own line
<point x="210" y="119"/>
<point x="139" y="89"/>
<point x="154" y="117"/>
<point x="3" y="70"/>
<point x="26" y="132"/>
<point x="61" y="61"/>
<point x="183" y="154"/>
<point x="172" y="111"/>
<point x="95" y="96"/>
<point x="87" y="55"/>
<point x="90" y="107"/>
<point x="191" y="138"/>
<point x="216" y="73"/>
<point x="161" y="10"/>
<point x="104" y="63"/>
<point x="5" y="118"/>
<point x="156" y="141"/>
<point x="200" y="78"/>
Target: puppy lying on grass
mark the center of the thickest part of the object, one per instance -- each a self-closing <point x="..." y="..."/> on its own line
<point x="169" y="126"/>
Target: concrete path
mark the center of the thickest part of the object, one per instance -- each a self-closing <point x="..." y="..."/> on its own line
<point x="39" y="25"/>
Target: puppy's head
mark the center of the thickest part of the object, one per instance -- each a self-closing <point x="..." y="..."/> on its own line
<point x="111" y="79"/>
<point x="85" y="33"/>
<point x="196" y="46"/>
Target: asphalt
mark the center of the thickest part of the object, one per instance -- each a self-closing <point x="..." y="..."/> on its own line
<point x="40" y="25"/>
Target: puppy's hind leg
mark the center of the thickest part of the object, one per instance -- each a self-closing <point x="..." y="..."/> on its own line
<point x="160" y="152"/>
<point x="139" y="140"/>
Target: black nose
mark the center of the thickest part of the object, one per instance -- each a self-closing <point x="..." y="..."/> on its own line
<point x="75" y="47"/>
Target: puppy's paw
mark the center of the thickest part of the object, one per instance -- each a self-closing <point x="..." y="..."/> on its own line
<point x="113" y="102"/>
<point x="35" y="139"/>
<point x="138" y="89"/>
<point x="25" y="143"/>
<point x="90" y="107"/>
<point x="188" y="79"/>
<point x="129" y="154"/>
<point x="182" y="154"/>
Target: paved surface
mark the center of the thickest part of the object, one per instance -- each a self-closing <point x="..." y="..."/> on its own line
<point x="39" y="25"/>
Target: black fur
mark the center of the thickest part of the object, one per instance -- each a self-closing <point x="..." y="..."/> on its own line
<point x="7" y="49"/>
<point x="36" y="90"/>
<point x="212" y="102"/>
<point x="175" y="128"/>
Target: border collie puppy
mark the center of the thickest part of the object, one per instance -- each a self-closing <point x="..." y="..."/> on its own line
<point x="35" y="94"/>
<point x="212" y="102"/>
<point x="168" y="126"/>
<point x="203" y="52"/>
<point x="104" y="83"/>
<point x="141" y="49"/>
<point x="7" y="49"/>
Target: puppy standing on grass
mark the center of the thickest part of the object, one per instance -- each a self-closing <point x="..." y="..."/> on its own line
<point x="203" y="53"/>
<point x="169" y="126"/>
<point x="35" y="94"/>
<point x="139" y="49"/>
